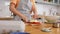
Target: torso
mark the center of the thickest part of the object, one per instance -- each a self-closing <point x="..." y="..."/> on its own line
<point x="24" y="6"/>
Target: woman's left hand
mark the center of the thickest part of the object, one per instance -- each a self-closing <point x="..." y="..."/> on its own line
<point x="35" y="16"/>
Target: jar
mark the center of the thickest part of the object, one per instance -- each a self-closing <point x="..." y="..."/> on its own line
<point x="56" y="25"/>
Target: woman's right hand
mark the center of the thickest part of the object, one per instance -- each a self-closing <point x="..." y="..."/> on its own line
<point x="25" y="19"/>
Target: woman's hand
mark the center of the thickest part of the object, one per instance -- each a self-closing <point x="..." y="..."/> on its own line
<point x="35" y="16"/>
<point x="25" y="19"/>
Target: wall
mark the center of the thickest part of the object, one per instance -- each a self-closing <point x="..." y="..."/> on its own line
<point x="4" y="8"/>
<point x="58" y="12"/>
<point x="50" y="10"/>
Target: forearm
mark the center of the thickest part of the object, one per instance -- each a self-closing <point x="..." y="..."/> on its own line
<point x="34" y="10"/>
<point x="13" y="9"/>
<point x="33" y="7"/>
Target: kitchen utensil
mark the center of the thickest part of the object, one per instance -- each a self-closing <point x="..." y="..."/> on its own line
<point x="56" y="25"/>
<point x="46" y="30"/>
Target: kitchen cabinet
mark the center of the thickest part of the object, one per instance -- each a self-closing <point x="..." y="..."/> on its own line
<point x="49" y="2"/>
<point x="10" y="26"/>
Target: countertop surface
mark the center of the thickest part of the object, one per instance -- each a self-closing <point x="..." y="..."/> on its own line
<point x="37" y="29"/>
<point x="7" y="18"/>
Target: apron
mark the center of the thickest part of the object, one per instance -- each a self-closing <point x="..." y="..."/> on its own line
<point x="24" y="7"/>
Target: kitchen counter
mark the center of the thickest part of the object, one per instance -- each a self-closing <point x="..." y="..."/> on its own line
<point x="7" y="18"/>
<point x="37" y="29"/>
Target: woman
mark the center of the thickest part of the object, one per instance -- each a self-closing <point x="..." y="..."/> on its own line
<point x="22" y="9"/>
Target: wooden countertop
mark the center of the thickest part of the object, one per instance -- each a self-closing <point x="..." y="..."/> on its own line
<point x="6" y="18"/>
<point x="37" y="29"/>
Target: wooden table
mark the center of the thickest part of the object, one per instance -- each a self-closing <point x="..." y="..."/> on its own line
<point x="37" y="29"/>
